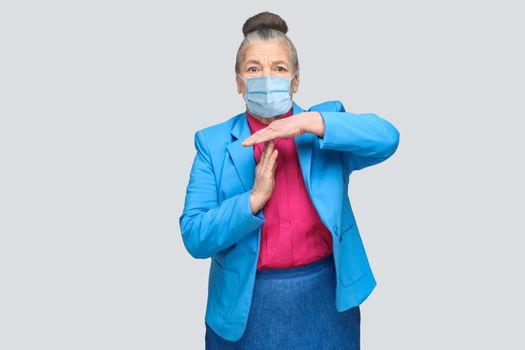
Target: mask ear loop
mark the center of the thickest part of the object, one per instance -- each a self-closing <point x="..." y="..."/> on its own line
<point x="291" y="78"/>
<point x="243" y="79"/>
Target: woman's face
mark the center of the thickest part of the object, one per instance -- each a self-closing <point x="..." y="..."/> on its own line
<point x="269" y="58"/>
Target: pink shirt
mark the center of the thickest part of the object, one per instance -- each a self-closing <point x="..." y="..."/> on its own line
<point x="292" y="233"/>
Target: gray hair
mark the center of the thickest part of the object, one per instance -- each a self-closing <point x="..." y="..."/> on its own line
<point x="267" y="34"/>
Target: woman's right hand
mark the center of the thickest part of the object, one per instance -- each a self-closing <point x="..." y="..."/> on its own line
<point x="264" y="177"/>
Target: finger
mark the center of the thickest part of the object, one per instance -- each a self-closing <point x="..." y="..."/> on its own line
<point x="258" y="137"/>
<point x="250" y="140"/>
<point x="247" y="141"/>
<point x="272" y="135"/>
<point x="273" y="160"/>
<point x="268" y="148"/>
<point x="263" y="155"/>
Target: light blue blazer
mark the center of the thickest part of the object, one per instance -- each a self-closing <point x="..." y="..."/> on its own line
<point x="217" y="221"/>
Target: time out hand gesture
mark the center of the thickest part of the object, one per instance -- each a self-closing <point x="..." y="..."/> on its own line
<point x="264" y="177"/>
<point x="291" y="126"/>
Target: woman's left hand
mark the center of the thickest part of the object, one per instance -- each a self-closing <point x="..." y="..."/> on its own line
<point x="292" y="126"/>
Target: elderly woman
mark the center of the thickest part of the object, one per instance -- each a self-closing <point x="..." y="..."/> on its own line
<point x="267" y="201"/>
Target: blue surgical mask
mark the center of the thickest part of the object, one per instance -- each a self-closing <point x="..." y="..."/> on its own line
<point x="268" y="96"/>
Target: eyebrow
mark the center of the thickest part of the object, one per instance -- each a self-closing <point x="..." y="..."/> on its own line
<point x="274" y="62"/>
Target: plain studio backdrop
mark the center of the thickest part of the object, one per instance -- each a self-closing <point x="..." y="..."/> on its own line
<point x="99" y="103"/>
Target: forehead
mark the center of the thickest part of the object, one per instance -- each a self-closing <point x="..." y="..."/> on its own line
<point x="267" y="52"/>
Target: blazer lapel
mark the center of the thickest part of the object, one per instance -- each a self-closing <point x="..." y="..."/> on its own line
<point x="243" y="157"/>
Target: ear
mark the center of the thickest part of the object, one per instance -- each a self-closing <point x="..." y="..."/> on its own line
<point x="295" y="83"/>
<point x="240" y="84"/>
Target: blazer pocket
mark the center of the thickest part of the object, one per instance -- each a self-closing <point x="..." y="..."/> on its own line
<point x="223" y="289"/>
<point x="351" y="257"/>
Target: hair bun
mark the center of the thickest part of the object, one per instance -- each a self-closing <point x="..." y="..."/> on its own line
<point x="264" y="20"/>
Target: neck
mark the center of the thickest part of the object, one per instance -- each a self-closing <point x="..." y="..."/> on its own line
<point x="267" y="120"/>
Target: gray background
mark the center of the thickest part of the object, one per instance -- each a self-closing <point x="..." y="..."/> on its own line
<point x="99" y="104"/>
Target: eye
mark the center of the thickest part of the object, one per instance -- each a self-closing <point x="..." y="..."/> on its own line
<point x="252" y="69"/>
<point x="281" y="69"/>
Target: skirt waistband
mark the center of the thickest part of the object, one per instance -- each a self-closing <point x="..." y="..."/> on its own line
<point x="296" y="271"/>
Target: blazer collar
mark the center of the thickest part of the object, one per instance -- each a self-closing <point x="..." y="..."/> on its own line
<point x="243" y="157"/>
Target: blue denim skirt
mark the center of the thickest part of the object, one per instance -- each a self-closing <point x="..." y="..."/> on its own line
<point x="294" y="308"/>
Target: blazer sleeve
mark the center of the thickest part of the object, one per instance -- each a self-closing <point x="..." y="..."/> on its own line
<point x="366" y="139"/>
<point x="206" y="225"/>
